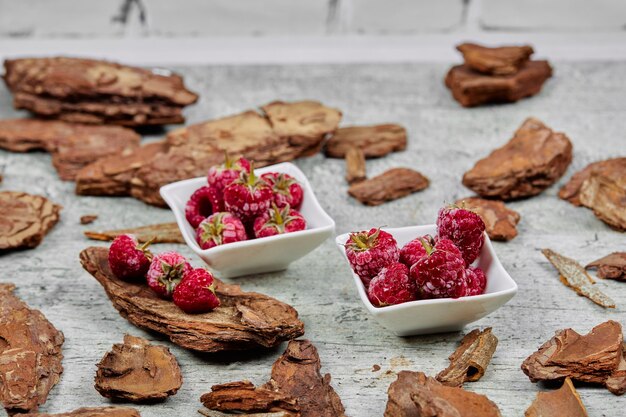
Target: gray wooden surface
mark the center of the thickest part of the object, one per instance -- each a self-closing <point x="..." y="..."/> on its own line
<point x="585" y="100"/>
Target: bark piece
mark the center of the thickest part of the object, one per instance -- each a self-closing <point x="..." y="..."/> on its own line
<point x="471" y="88"/>
<point x="616" y="382"/>
<point x="500" y="221"/>
<point x="605" y="193"/>
<point x="534" y="159"/>
<point x="593" y="358"/>
<point x="156" y="233"/>
<point x="612" y="266"/>
<point x="564" y="401"/>
<point x="25" y="219"/>
<point x="470" y="360"/>
<point x="296" y="388"/>
<point x="92" y="412"/>
<point x="355" y="166"/>
<point x="414" y="394"/>
<point x="574" y="275"/>
<point x="374" y="141"/>
<point x="503" y="60"/>
<point x="606" y="168"/>
<point x="30" y="354"/>
<point x="137" y="371"/>
<point x="244" y="320"/>
<point x="390" y="185"/>
<point x="88" y="218"/>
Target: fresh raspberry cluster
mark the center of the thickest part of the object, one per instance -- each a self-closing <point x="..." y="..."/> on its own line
<point x="237" y="205"/>
<point x="168" y="274"/>
<point x="426" y="267"/>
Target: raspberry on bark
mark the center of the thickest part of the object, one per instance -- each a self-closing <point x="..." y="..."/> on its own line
<point x="165" y="273"/>
<point x="220" y="176"/>
<point x="370" y="251"/>
<point x="247" y="197"/>
<point x="278" y="220"/>
<point x="414" y="250"/>
<point x="463" y="227"/>
<point x="218" y="229"/>
<point x="441" y="273"/>
<point x="392" y="285"/>
<point x="196" y="292"/>
<point x="287" y="190"/>
<point x="476" y="281"/>
<point x="202" y="203"/>
<point x="127" y="259"/>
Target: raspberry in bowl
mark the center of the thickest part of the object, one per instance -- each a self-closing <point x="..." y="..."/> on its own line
<point x="283" y="237"/>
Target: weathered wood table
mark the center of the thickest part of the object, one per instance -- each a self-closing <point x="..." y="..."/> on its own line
<point x="585" y="100"/>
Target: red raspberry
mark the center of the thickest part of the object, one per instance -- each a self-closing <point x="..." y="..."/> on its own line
<point x="128" y="260"/>
<point x="248" y="197"/>
<point x="287" y="190"/>
<point x="196" y="292"/>
<point x="476" y="281"/>
<point x="392" y="285"/>
<point x="201" y="204"/>
<point x="369" y="252"/>
<point x="414" y="250"/>
<point x="277" y="221"/>
<point x="166" y="271"/>
<point x="441" y="273"/>
<point x="223" y="175"/>
<point x="465" y="228"/>
<point x="218" y="229"/>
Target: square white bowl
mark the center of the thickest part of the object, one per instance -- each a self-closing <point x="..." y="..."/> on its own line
<point x="254" y="256"/>
<point x="441" y="314"/>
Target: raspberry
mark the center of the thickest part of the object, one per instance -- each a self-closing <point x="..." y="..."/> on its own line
<point x="201" y="204"/>
<point x="463" y="227"/>
<point x="223" y="175"/>
<point x="476" y="281"/>
<point x="277" y="221"/>
<point x="287" y="190"/>
<point x="128" y="260"/>
<point x="247" y="197"/>
<point x="218" y="229"/>
<point x="196" y="292"/>
<point x="414" y="250"/>
<point x="369" y="252"/>
<point x="166" y="271"/>
<point x="392" y="285"/>
<point x="441" y="273"/>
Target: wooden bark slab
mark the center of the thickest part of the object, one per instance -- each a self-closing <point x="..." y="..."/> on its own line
<point x="30" y="354"/>
<point x="390" y="185"/>
<point x="612" y="266"/>
<point x="156" y="233"/>
<point x="92" y="412"/>
<point x="374" y="141"/>
<point x="564" y="401"/>
<point x="414" y="394"/>
<point x="471" y="88"/>
<point x="355" y="166"/>
<point x="25" y="219"/>
<point x="244" y="320"/>
<point x="296" y="388"/>
<point x="604" y="192"/>
<point x="503" y="60"/>
<point x="500" y="221"/>
<point x="607" y="168"/>
<point x="137" y="371"/>
<point x="534" y="159"/>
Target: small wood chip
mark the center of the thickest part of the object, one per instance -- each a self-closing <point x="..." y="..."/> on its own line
<point x="612" y="266"/>
<point x="158" y="233"/>
<point x="574" y="276"/>
<point x="390" y="185"/>
<point x="562" y="402"/>
<point x="88" y="218"/>
<point x="355" y="166"/>
<point x="374" y="141"/>
<point x="470" y="360"/>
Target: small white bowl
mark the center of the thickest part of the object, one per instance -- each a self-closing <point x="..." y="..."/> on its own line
<point x="254" y="256"/>
<point x="442" y="314"/>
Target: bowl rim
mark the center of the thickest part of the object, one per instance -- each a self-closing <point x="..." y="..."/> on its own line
<point x="340" y="239"/>
<point x="179" y="213"/>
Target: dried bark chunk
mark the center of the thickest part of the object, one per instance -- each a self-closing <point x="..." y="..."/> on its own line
<point x="534" y="159"/>
<point x="25" y="219"/>
<point x="296" y="388"/>
<point x="390" y="185"/>
<point x="92" y="412"/>
<point x="244" y="320"/>
<point x="564" y="401"/>
<point x="156" y="233"/>
<point x="138" y="371"/>
<point x="30" y="354"/>
<point x="88" y="218"/>
<point x="612" y="266"/>
<point x="504" y="60"/>
<point x="604" y="192"/>
<point x="574" y="276"/>
<point x="593" y="358"/>
<point x="471" y="88"/>
<point x="500" y="221"/>
<point x="355" y="166"/>
<point x="470" y="360"/>
<point x="374" y="141"/>
<point x="606" y="168"/>
<point x="414" y="394"/>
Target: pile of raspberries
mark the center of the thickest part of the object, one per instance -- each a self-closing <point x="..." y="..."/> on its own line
<point x="168" y="274"/>
<point x="237" y="205"/>
<point x="424" y="268"/>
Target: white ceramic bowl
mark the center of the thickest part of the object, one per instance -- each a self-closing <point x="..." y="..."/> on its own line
<point x="443" y="314"/>
<point x="254" y="256"/>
